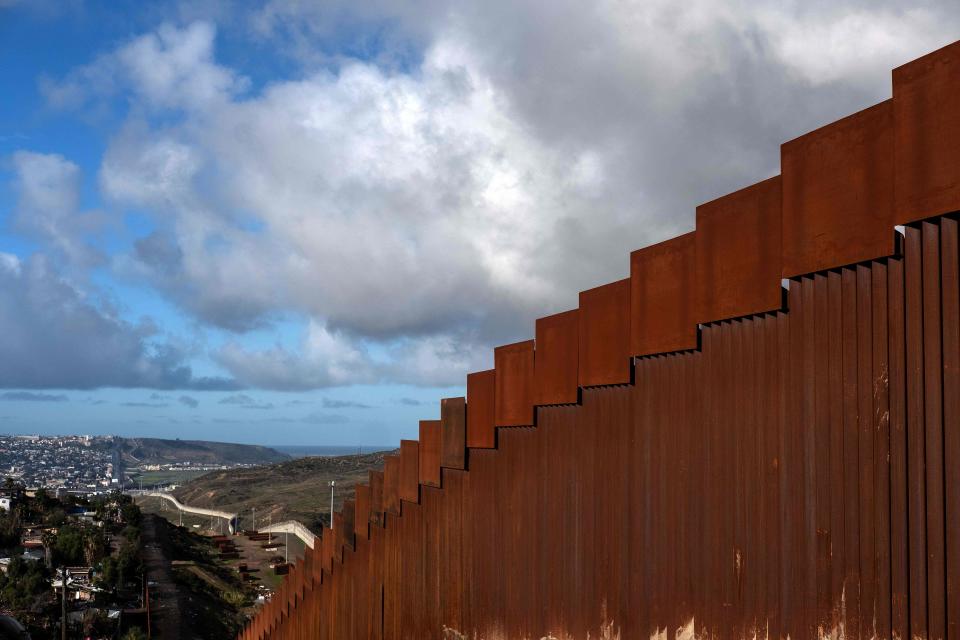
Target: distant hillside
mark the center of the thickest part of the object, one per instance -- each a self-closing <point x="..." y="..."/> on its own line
<point x="137" y="451"/>
<point x="296" y="489"/>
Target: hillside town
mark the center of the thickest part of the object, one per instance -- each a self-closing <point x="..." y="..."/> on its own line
<point x="71" y="463"/>
<point x="90" y="465"/>
<point x="70" y="562"/>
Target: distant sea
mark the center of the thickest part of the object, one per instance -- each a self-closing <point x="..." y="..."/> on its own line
<point x="302" y="451"/>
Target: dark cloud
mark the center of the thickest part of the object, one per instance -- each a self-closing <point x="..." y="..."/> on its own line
<point x="410" y="402"/>
<point x="244" y="401"/>
<point x="160" y="253"/>
<point x="239" y="398"/>
<point x="330" y="403"/>
<point x="54" y="336"/>
<point x="31" y="396"/>
<point x="145" y="405"/>
<point x="193" y="403"/>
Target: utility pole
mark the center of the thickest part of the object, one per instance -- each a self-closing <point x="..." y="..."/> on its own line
<point x="332" y="485"/>
<point x="63" y="602"/>
<point x="286" y="548"/>
<point x="254" y="518"/>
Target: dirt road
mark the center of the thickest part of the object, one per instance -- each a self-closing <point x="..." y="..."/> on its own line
<point x="164" y="599"/>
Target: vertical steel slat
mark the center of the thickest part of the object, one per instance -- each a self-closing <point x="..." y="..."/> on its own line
<point x="794" y="523"/>
<point x="916" y="446"/>
<point x="777" y="350"/>
<point x="881" y="448"/>
<point x="899" y="565"/>
<point x="851" y="492"/>
<point x="933" y="427"/>
<point x="950" y="288"/>
<point x="726" y="542"/>
<point x="751" y="507"/>
<point x="865" y="380"/>
<point x="821" y="427"/>
<point x="837" y="542"/>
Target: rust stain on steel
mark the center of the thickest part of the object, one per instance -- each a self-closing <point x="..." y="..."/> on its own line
<point x="738" y="253"/>
<point x="481" y="406"/>
<point x="555" y="361"/>
<point x="926" y="100"/>
<point x="391" y="484"/>
<point x="409" y="474"/>
<point x="453" y="436"/>
<point x="430" y="453"/>
<point x="663" y="285"/>
<point x="514" y="384"/>
<point x="604" y="335"/>
<point x="838" y="193"/>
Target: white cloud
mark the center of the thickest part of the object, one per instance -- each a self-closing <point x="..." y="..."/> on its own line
<point x="325" y="359"/>
<point x="48" y="195"/>
<point x="160" y="174"/>
<point x="169" y="68"/>
<point x="849" y="44"/>
<point x="174" y="68"/>
<point x="10" y="263"/>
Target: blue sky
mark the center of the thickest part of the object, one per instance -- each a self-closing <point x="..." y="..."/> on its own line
<point x="304" y="223"/>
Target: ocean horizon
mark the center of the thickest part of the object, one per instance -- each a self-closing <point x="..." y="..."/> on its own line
<point x="303" y="451"/>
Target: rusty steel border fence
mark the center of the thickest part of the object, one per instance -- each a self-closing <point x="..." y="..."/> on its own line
<point x="698" y="451"/>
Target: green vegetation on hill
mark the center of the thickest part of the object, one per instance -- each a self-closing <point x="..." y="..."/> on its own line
<point x="296" y="489"/>
<point x="138" y="451"/>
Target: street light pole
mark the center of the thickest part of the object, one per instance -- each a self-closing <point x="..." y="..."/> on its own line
<point x="332" y="484"/>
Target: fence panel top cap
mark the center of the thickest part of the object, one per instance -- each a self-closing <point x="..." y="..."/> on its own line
<point x="663" y="297"/>
<point x="926" y="101"/>
<point x="739" y="259"/>
<point x="838" y="193"/>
